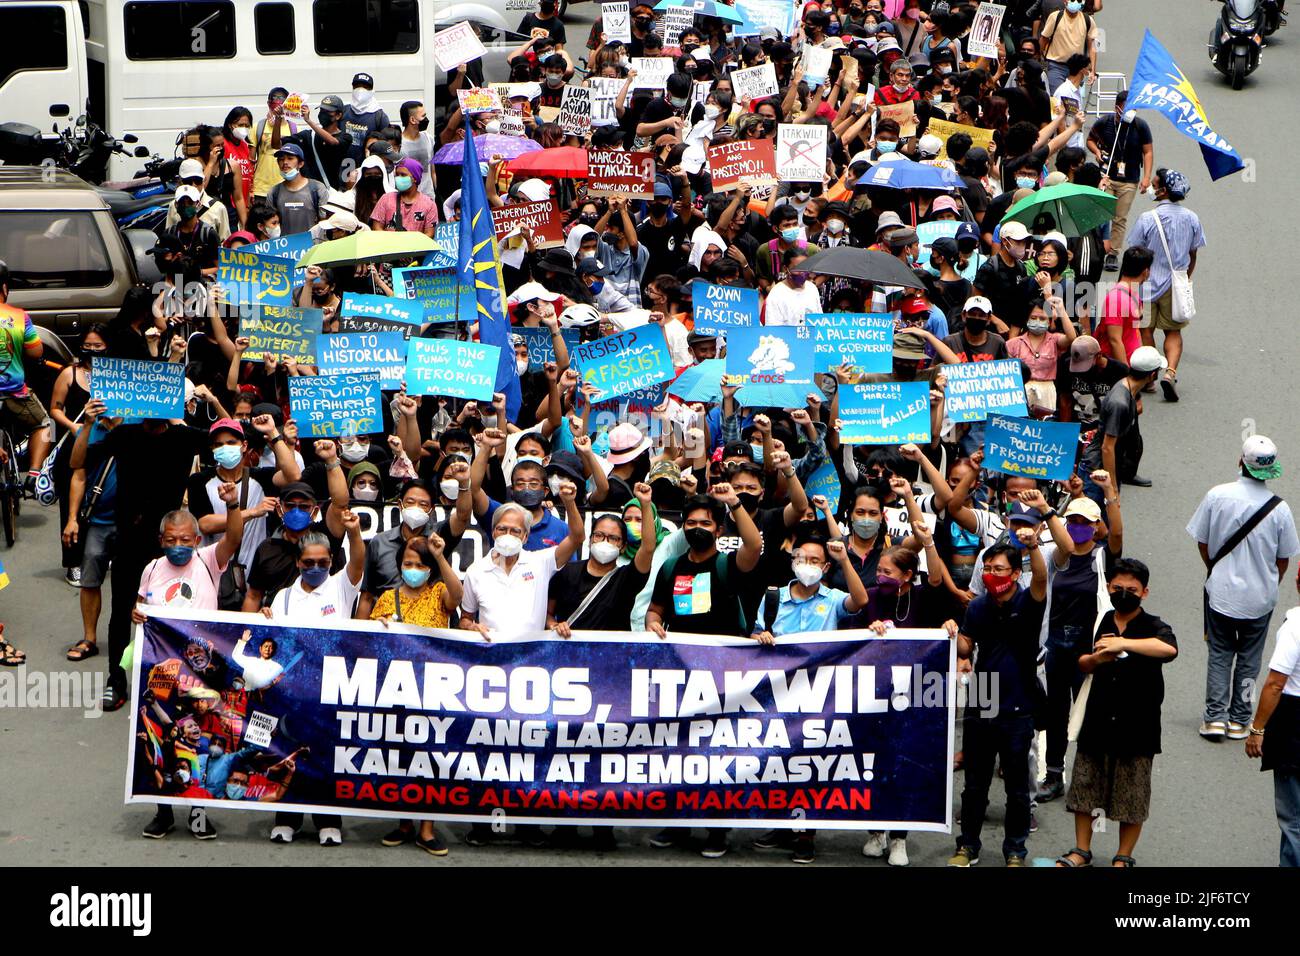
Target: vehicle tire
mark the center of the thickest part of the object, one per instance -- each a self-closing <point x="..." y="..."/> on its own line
<point x="1237" y="72"/>
<point x="10" y="491"/>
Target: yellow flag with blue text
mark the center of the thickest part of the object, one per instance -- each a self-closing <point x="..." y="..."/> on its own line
<point x="1158" y="84"/>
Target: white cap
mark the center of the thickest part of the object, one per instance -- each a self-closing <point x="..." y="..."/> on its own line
<point x="189" y="192"/>
<point x="1147" y="359"/>
<point x="534" y="190"/>
<point x="1013" y="230"/>
<point x="530" y="291"/>
<point x="702" y="53"/>
<point x="1056" y="237"/>
<point x="190" y="169"/>
<point x="1259" y="456"/>
<point x="978" y="302"/>
<point x="929" y="145"/>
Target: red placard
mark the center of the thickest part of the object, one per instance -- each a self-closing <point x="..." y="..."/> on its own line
<point x="749" y="161"/>
<point x="541" y="217"/>
<point x="617" y="172"/>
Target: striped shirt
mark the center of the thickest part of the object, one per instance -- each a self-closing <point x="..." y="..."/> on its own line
<point x="1183" y="232"/>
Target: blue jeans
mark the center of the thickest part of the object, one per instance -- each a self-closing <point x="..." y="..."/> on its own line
<point x="1090" y="488"/>
<point x="1056" y="75"/>
<point x="984" y="740"/>
<point x="1229" y="691"/>
<point x="1286" y="798"/>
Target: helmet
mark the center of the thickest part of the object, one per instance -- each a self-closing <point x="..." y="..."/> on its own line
<point x="580" y="314"/>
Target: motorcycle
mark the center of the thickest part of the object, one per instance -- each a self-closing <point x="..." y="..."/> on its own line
<point x="83" y="148"/>
<point x="1237" y="40"/>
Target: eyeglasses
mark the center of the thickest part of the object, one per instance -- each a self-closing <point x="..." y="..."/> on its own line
<point x="528" y="484"/>
<point x="424" y="506"/>
<point x="597" y="536"/>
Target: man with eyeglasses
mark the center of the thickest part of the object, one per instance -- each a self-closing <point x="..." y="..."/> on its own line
<point x="528" y="489"/>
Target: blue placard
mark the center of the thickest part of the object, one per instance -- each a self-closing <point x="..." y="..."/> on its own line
<point x="356" y="353"/>
<point x="624" y="363"/>
<point x="382" y="307"/>
<point x="334" y="405"/>
<point x="721" y="308"/>
<point x="451" y="368"/>
<point x="863" y="339"/>
<point x="134" y="389"/>
<point x="757" y="14"/>
<point x="254" y="279"/>
<point x="1031" y="449"/>
<point x="643" y="399"/>
<point x="763" y="355"/>
<point x="824" y="481"/>
<point x="885" y="413"/>
<point x="280" y="330"/>
<point x="292" y="247"/>
<point x="436" y="290"/>
<point x="541" y="349"/>
<point x="976" y="390"/>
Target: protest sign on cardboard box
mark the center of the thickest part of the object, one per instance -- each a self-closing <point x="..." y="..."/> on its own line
<point x="617" y="172"/>
<point x="745" y="161"/>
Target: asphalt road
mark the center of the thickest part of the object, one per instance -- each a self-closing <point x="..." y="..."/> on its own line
<point x="62" y="779"/>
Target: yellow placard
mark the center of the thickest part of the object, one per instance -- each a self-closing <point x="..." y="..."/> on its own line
<point x="943" y="129"/>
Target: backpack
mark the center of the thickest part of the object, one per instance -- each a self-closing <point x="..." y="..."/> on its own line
<point x="1087" y="29"/>
<point x="720" y="567"/>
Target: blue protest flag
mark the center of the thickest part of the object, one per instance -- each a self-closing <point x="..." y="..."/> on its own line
<point x="479" y="267"/>
<point x="1158" y="84"/>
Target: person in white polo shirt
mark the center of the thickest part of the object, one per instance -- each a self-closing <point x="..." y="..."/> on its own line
<point x="1279" y="713"/>
<point x="315" y="596"/>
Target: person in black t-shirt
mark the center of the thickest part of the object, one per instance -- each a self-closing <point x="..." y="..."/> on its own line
<point x="1003" y="279"/>
<point x="1084" y="378"/>
<point x="545" y="19"/>
<point x="1126" y="154"/>
<point x="324" y="145"/>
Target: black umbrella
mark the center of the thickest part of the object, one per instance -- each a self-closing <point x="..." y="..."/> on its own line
<point x="851" y="263"/>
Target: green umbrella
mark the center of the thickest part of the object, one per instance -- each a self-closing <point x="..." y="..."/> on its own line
<point x="1075" y="209"/>
<point x="368" y="246"/>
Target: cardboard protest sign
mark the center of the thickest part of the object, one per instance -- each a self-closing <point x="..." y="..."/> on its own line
<point x="675" y="20"/>
<point x="620" y="364"/>
<point x="721" y="308"/>
<point x="904" y="114"/>
<point x="512" y="122"/>
<point x="816" y="65"/>
<point x="652" y="72"/>
<point x="452" y="369"/>
<point x="977" y="389"/>
<point x="480" y="99"/>
<point x="985" y="30"/>
<point x="945" y="128"/>
<point x="331" y="406"/>
<point x="543" y="218"/>
<point x="754" y="83"/>
<point x="616" y="20"/>
<point x="361" y="352"/>
<point x="742" y="162"/>
<point x="885" y="413"/>
<point x="255" y="279"/>
<point x="540" y="347"/>
<point x="604" y="96"/>
<point x="382" y="307"/>
<point x="456" y="45"/>
<point x="575" y="111"/>
<point x="864" y="340"/>
<point x="1029" y="448"/>
<point x="280" y="331"/>
<point x="135" y="389"/>
<point x="617" y="172"/>
<point x="801" y="153"/>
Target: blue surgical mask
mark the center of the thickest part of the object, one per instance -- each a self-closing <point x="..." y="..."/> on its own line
<point x="415" y="577"/>
<point x="886" y="146"/>
<point x="288" y="175"/>
<point x="314" y="577"/>
<point x="403" y="183"/>
<point x="596" y="286"/>
<point x="179" y="554"/>
<point x="1026" y="182"/>
<point x="757" y="451"/>
<point x="228" y="456"/>
<point x="297" y="519"/>
<point x="1074" y="6"/>
<point x="235" y="791"/>
<point x="790" y="235"/>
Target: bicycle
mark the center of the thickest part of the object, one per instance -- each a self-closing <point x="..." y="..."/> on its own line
<point x="11" y="485"/>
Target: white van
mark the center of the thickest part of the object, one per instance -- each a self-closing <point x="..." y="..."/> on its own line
<point x="44" y="71"/>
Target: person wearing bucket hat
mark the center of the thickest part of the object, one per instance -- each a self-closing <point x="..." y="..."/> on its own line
<point x="630" y="460"/>
<point x="1241" y="587"/>
<point x="406" y="209"/>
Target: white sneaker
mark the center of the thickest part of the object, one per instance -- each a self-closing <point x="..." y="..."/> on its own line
<point x="331" y="836"/>
<point x="1237" y="731"/>
<point x="281" y="834"/>
<point x="898" y="851"/>
<point x="875" y="845"/>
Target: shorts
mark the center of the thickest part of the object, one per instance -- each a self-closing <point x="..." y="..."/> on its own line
<point x="1162" y="314"/>
<point x="100" y="543"/>
<point x="27" y="411"/>
<point x="1118" y="786"/>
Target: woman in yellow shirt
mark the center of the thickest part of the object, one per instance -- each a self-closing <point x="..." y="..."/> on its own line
<point x="423" y="601"/>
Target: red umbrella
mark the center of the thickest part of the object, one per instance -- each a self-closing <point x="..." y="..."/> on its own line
<point x="563" y="162"/>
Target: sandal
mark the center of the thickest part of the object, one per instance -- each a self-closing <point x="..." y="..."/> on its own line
<point x="1065" y="859"/>
<point x="82" y="650"/>
<point x="1127" y="862"/>
<point x="10" y="656"/>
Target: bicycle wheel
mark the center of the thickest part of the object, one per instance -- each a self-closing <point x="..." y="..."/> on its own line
<point x="11" y="490"/>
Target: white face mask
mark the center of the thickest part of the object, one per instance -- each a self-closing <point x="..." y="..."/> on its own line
<point x="273" y="232"/>
<point x="365" y="494"/>
<point x="354" y="451"/>
<point x="507" y="545"/>
<point x="450" y="488"/>
<point x="492" y="126"/>
<point x="241" y="132"/>
<point x="521" y="366"/>
<point x="835" y="226"/>
<point x="803" y="195"/>
<point x="415" y="518"/>
<point x="808" y="574"/>
<point x="604" y="552"/>
<point x="555" y="481"/>
<point x="1036" y="327"/>
<point x="362" y="96"/>
<point x="711" y="111"/>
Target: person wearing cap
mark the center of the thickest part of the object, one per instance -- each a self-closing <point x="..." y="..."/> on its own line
<point x="592" y="273"/>
<point x="1004" y="282"/>
<point x="272" y="132"/>
<point x="835" y="219"/>
<point x="1173" y="234"/>
<point x="323" y="143"/>
<point x="299" y="200"/>
<point x="904" y="245"/>
<point x="363" y="118"/>
<point x="406" y="209"/>
<point x="944" y="209"/>
<point x="1083" y="379"/>
<point x="973" y="342"/>
<point x="888" y="222"/>
<point x="198" y="241"/>
<point x="258" y="488"/>
<point x="211" y="212"/>
<point x="952" y="289"/>
<point x="1116" y="438"/>
<point x="1241" y="583"/>
<point x="620" y="250"/>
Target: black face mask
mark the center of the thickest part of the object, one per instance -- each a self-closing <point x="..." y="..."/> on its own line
<point x="1125" y="602"/>
<point x="699" y="539"/>
<point x="529" y="498"/>
<point x="643" y="23"/>
<point x="589" y="219"/>
<point x="749" y="501"/>
<point x="977" y="325"/>
<point x="905" y="371"/>
<point x="423" y="124"/>
<point x="325" y="119"/>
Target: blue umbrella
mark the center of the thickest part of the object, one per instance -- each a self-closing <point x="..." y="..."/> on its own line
<point x="700" y="383"/>
<point x="771" y="395"/>
<point x="905" y="174"/>
<point x="704" y="8"/>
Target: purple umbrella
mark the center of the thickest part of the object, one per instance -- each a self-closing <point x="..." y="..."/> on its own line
<point x="488" y="144"/>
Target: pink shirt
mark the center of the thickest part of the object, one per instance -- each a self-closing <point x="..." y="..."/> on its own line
<point x="1042" y="364"/>
<point x="415" y="215"/>
<point x="1124" y="309"/>
<point x="194" y="585"/>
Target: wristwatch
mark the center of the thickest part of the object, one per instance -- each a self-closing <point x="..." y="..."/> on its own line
<point x="275" y="438"/>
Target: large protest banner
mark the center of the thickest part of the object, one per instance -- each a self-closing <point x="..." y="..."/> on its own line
<point x="864" y="340"/>
<point x="837" y="730"/>
<point x="720" y="308"/>
<point x="135" y="389"/>
<point x="1029" y="448"/>
<point x="885" y="413"/>
<point x="976" y="389"/>
<point x="451" y="369"/>
<point x="336" y="405"/>
<point x="746" y="161"/>
<point x="541" y="217"/>
<point x="259" y="280"/>
<point x="617" y="172"/>
<point x="623" y="363"/>
<point x="355" y="353"/>
<point x="280" y="331"/>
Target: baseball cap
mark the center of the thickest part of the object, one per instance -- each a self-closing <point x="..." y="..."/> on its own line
<point x="332" y="103"/>
<point x="738" y="449"/>
<point x="1084" y="508"/>
<point x="694" y="338"/>
<point x="363" y="79"/>
<point x="863" y="157"/>
<point x="530" y="291"/>
<point x="1055" y="178"/>
<point x="625" y="443"/>
<point x="299" y="489"/>
<point x="977" y="303"/>
<point x="667" y="470"/>
<point x="591" y="266"/>
<point x="1013" y="230"/>
<point x="1175" y="183"/>
<point x="190" y="169"/>
<point x="887" y="43"/>
<point x="769" y="33"/>
<point x="382" y="148"/>
<point x="1083" y="353"/>
<point x="1259" y="457"/>
<point x="888" y="220"/>
<point x="663" y="191"/>
<point x="946" y="246"/>
<point x="967" y="231"/>
<point x="168" y="243"/>
<point x="929" y="145"/>
<point x="944" y="202"/>
<point x="908" y="346"/>
<point x="188" y="192"/>
<point x="913" y="303"/>
<point x="290" y="149"/>
<point x="1021" y="512"/>
<point x="270" y="408"/>
<point x="1147" y="359"/>
<point x="226" y="424"/>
